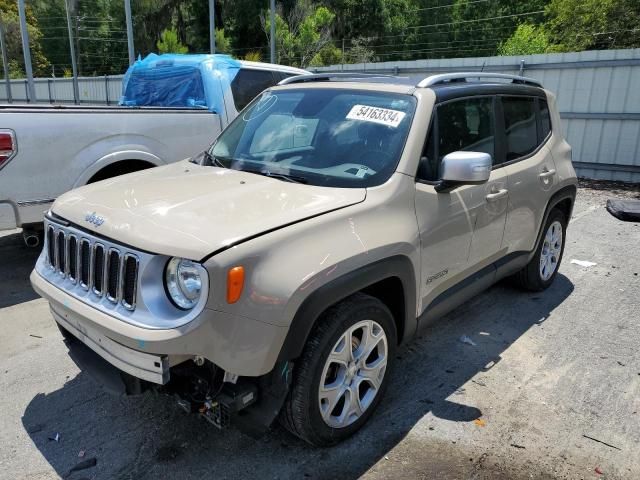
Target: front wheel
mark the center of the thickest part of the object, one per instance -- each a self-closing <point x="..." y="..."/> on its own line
<point x="343" y="371"/>
<point x="543" y="267"/>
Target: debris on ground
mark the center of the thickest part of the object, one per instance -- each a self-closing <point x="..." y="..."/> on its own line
<point x="515" y="445"/>
<point x="81" y="453"/>
<point x="598" y="470"/>
<point x="583" y="263"/>
<point x="480" y="422"/>
<point x="88" y="463"/>
<point x="467" y="340"/>
<point x="55" y="438"/>
<point x="600" y="441"/>
<point x="625" y="210"/>
<point x="34" y="336"/>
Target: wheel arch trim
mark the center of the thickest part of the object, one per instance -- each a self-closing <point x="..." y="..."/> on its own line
<point x="319" y="300"/>
<point x="566" y="193"/>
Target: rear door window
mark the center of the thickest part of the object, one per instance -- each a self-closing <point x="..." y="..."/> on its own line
<point x="520" y="126"/>
<point x="249" y="83"/>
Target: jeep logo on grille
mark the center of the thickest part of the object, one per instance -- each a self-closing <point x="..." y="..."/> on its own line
<point x="97" y="220"/>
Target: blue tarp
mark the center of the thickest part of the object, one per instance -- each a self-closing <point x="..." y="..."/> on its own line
<point x="171" y="80"/>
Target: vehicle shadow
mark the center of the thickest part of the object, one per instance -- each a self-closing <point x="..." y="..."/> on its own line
<point x="149" y="437"/>
<point x="16" y="262"/>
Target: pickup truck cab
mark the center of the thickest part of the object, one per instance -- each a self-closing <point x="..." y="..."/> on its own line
<point x="172" y="107"/>
<point x="336" y="216"/>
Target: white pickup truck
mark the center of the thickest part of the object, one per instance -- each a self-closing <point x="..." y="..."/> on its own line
<point x="172" y="107"/>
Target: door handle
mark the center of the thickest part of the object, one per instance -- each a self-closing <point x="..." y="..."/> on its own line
<point x="492" y="197"/>
<point x="548" y="173"/>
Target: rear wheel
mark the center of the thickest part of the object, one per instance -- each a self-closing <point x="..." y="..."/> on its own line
<point x="543" y="267"/>
<point x="342" y="374"/>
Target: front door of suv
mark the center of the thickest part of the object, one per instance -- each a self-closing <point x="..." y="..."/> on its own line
<point x="461" y="230"/>
<point x="530" y="166"/>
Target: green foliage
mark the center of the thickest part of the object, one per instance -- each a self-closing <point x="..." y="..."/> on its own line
<point x="593" y="24"/>
<point x="528" y="39"/>
<point x="254" y="56"/>
<point x="305" y="33"/>
<point x="11" y="21"/>
<point x="328" y="55"/>
<point x="169" y="42"/>
<point x="223" y="44"/>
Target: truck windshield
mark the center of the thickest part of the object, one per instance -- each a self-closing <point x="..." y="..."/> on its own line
<point x="326" y="137"/>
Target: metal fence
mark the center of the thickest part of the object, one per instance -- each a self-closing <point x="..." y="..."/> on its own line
<point x="104" y="90"/>
<point x="598" y="97"/>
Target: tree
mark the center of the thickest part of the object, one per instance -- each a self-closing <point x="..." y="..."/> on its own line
<point x="479" y="28"/>
<point x="303" y="35"/>
<point x="10" y="18"/>
<point x="223" y="44"/>
<point x="593" y="24"/>
<point x="528" y="39"/>
<point x="169" y="42"/>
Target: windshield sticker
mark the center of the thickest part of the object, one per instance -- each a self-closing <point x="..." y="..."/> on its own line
<point x="383" y="116"/>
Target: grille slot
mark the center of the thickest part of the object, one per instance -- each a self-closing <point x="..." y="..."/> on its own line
<point x="85" y="263"/>
<point x="98" y="269"/>
<point x="51" y="247"/>
<point x="113" y="275"/>
<point x="129" y="281"/>
<point x="61" y="253"/>
<point x="72" y="258"/>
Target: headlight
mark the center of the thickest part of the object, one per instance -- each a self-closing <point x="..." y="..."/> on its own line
<point x="183" y="281"/>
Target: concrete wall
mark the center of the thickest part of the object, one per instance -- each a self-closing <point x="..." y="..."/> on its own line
<point x="598" y="97"/>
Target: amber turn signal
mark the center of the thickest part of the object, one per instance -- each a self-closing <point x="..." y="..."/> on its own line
<point x="235" y="282"/>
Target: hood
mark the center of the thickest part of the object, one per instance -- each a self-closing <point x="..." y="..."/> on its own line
<point x="191" y="211"/>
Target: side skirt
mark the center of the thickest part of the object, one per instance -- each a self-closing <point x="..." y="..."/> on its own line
<point x="472" y="286"/>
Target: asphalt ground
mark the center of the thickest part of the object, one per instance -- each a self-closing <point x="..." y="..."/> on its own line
<point x="551" y="388"/>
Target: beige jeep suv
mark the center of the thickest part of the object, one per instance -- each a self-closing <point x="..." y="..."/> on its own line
<point x="276" y="274"/>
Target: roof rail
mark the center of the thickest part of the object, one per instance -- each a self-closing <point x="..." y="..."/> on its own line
<point x="462" y="76"/>
<point x="327" y="77"/>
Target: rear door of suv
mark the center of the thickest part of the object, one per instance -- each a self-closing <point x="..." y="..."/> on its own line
<point x="529" y="165"/>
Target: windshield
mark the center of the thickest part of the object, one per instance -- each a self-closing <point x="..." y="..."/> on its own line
<point x="327" y="137"/>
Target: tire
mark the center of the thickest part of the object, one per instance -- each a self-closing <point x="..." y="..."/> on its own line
<point x="533" y="276"/>
<point x="302" y="413"/>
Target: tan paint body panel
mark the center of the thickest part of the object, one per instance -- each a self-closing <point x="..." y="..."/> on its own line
<point x="190" y="211"/>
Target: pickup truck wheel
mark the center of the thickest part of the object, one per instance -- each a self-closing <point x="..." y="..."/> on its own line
<point x="543" y="267"/>
<point x="342" y="373"/>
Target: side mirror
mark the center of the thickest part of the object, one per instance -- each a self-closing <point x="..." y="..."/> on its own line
<point x="464" y="168"/>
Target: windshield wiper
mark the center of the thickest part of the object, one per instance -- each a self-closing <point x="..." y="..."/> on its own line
<point x="212" y="160"/>
<point x="279" y="176"/>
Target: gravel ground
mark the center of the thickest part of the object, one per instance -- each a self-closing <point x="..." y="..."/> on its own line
<point x="548" y="371"/>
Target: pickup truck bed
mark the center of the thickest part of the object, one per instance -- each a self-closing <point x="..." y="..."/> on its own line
<point x="63" y="147"/>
